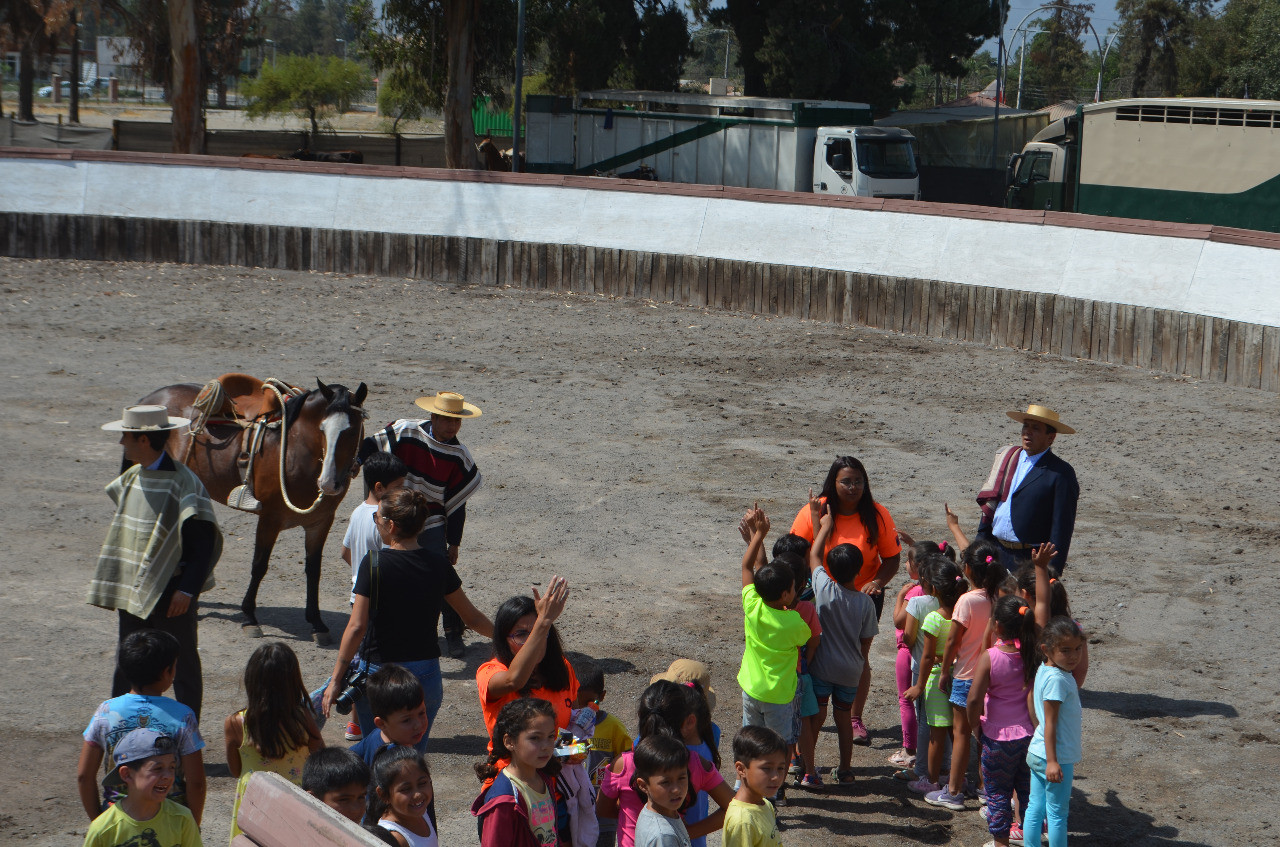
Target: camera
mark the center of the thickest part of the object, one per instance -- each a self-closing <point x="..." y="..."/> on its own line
<point x="353" y="686"/>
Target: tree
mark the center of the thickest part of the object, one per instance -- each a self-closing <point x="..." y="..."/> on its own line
<point x="312" y="87"/>
<point x="1156" y="35"/>
<point x="1257" y="74"/>
<point x="35" y="25"/>
<point x="850" y="49"/>
<point x="661" y="44"/>
<point x="1056" y="57"/>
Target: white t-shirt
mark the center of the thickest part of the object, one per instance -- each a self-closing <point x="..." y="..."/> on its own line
<point x="361" y="537"/>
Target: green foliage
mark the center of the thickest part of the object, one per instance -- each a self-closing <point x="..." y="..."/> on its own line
<point x="311" y="27"/>
<point x="314" y="87"/>
<point x="1156" y="37"/>
<point x="706" y="53"/>
<point x="853" y="49"/>
<point x="1258" y="70"/>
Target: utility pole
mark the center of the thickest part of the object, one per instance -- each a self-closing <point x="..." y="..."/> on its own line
<point x="73" y="115"/>
<point x="343" y="42"/>
<point x="518" y="115"/>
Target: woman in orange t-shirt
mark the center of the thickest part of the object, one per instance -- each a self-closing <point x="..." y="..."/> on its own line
<point x="527" y="658"/>
<point x="864" y="523"/>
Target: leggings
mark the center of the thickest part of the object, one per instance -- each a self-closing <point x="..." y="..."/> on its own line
<point x="906" y="709"/>
<point x="922" y="745"/>
<point x="1048" y="798"/>
<point x="1004" y="774"/>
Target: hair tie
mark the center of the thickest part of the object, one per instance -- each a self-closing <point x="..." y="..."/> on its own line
<point x="990" y="559"/>
<point x="687" y="684"/>
<point x="1022" y="610"/>
<point x="942" y="545"/>
<point x="1052" y="580"/>
<point x="959" y="579"/>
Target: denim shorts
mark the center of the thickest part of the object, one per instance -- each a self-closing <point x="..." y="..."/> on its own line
<point x="843" y="695"/>
<point x="960" y="692"/>
<point x="776" y="716"/>
<point x="808" y="700"/>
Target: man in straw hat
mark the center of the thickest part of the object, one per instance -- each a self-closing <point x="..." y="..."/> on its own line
<point x="161" y="548"/>
<point x="442" y="469"/>
<point x="1031" y="495"/>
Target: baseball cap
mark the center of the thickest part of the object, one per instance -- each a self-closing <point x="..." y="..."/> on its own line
<point x="136" y="746"/>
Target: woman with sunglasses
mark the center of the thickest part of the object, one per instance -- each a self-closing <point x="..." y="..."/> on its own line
<point x="527" y="658"/>
<point x="400" y="591"/>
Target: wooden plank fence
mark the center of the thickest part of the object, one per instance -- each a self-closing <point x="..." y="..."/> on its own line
<point x="1217" y="349"/>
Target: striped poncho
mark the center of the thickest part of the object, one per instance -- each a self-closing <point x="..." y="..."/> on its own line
<point x="443" y="471"/>
<point x="144" y="544"/>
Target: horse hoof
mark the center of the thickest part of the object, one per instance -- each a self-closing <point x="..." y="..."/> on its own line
<point x="321" y="638"/>
<point x="252" y="630"/>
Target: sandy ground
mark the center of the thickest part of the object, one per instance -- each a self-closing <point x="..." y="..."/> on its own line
<point x="620" y="443"/>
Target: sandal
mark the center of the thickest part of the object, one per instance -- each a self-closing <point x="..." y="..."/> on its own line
<point x="844" y="776"/>
<point x="902" y="759"/>
<point x="906" y="774"/>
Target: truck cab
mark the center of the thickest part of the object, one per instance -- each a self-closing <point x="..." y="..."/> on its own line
<point x="865" y="161"/>
<point x="1042" y="176"/>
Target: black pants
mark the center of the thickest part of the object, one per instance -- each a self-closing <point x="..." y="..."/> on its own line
<point x="433" y="538"/>
<point x="188" y="685"/>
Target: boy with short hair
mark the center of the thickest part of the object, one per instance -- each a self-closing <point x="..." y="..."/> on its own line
<point x="399" y="712"/>
<point x="848" y="619"/>
<point x="760" y="761"/>
<point x="383" y="473"/>
<point x="609" y="738"/>
<point x="145" y="762"/>
<point x="338" y="778"/>
<point x="662" y="779"/>
<point x="148" y="659"/>
<point x="772" y="633"/>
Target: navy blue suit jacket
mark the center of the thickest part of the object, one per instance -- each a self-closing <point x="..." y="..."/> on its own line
<point x="1044" y="506"/>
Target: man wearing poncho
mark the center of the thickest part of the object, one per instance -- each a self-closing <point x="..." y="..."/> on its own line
<point x="161" y="548"/>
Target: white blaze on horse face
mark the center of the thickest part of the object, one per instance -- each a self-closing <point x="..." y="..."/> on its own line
<point x="332" y="426"/>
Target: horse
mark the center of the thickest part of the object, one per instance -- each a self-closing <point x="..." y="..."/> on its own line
<point x="489" y="155"/>
<point x="323" y="430"/>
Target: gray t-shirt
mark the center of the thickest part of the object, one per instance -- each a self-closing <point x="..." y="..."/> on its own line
<point x="657" y="830"/>
<point x="919" y="608"/>
<point x="847" y="618"/>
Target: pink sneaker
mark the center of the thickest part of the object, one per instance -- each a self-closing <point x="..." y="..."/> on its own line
<point x="860" y="735"/>
<point x="1015" y="834"/>
<point x="922" y="785"/>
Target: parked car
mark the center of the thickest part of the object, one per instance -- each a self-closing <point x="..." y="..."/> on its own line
<point x="86" y="89"/>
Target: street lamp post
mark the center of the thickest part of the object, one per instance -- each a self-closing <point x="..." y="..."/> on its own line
<point x="343" y="42"/>
<point x="273" y="50"/>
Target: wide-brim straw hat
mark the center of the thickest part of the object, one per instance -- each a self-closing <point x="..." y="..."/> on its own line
<point x="689" y="670"/>
<point x="1043" y="414"/>
<point x="145" y="419"/>
<point x="450" y="404"/>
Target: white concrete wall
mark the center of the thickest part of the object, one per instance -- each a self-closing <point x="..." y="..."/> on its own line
<point x="1197" y="276"/>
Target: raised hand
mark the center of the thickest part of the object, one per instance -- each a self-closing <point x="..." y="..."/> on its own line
<point x="905" y="539"/>
<point x="815" y="509"/>
<point x="1042" y="555"/>
<point x="825" y="522"/>
<point x="551" y="604"/>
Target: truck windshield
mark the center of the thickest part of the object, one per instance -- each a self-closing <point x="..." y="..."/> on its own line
<point x="886" y="159"/>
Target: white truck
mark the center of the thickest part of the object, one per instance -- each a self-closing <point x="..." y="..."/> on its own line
<point x="823" y="147"/>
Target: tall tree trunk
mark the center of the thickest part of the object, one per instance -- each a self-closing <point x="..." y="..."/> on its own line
<point x="185" y="78"/>
<point x="27" y="80"/>
<point x="73" y="114"/>
<point x="460" y="59"/>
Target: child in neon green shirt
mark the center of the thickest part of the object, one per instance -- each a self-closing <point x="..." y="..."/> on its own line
<point x="773" y="631"/>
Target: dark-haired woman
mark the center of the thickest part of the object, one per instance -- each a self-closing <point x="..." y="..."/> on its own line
<point x="864" y="523"/>
<point x="527" y="657"/>
<point x="398" y="604"/>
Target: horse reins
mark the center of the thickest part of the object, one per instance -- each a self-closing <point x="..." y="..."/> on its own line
<point x="284" y="431"/>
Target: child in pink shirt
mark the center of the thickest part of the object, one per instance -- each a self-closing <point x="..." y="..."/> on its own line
<point x="998" y="704"/>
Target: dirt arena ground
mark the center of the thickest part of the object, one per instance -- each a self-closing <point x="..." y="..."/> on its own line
<point x="620" y="443"/>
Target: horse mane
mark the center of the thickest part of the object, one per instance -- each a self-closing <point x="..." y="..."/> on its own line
<point x="293" y="407"/>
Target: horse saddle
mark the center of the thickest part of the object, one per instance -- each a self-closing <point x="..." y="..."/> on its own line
<point x="246" y="397"/>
